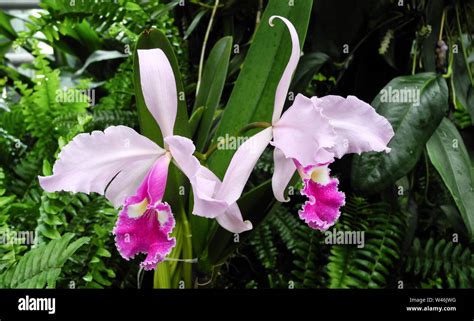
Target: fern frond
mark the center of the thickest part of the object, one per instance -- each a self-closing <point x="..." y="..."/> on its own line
<point x="370" y="266"/>
<point x="449" y="261"/>
<point x="41" y="266"/>
<point x="264" y="247"/>
<point x="307" y="264"/>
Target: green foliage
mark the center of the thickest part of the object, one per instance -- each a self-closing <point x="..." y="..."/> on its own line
<point x="441" y="259"/>
<point x="211" y="86"/>
<point x="264" y="246"/>
<point x="416" y="203"/>
<point x="371" y="265"/>
<point x="449" y="156"/>
<point x="9" y="251"/>
<point x="307" y="267"/>
<point x="41" y="266"/>
<point x="413" y="119"/>
<point x="315" y="262"/>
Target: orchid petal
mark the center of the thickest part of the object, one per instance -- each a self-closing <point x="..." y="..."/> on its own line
<point x="159" y="88"/>
<point x="90" y="161"/>
<point x="206" y="187"/>
<point x="157" y="178"/>
<point x="145" y="223"/>
<point x="127" y="182"/>
<point x="282" y="174"/>
<point x="233" y="221"/>
<point x="149" y="233"/>
<point x="204" y="183"/>
<point x="357" y="124"/>
<point x="182" y="149"/>
<point x="322" y="209"/>
<point x="284" y="84"/>
<point x="242" y="164"/>
<point x="304" y="133"/>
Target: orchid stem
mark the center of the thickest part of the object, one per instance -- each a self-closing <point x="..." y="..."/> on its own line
<point x="259" y="124"/>
<point x="213" y="147"/>
<point x="463" y="47"/>
<point x="187" y="251"/>
<point x="204" y="5"/>
<point x="203" y="50"/>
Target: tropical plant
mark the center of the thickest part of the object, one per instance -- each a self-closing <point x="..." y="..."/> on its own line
<point x="413" y="62"/>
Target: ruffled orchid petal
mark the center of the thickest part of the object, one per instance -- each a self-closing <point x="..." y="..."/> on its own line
<point x="148" y="233"/>
<point x="159" y="88"/>
<point x="145" y="223"/>
<point x="358" y="126"/>
<point x="304" y="133"/>
<point x="282" y="174"/>
<point x="91" y="161"/>
<point x="242" y="164"/>
<point x="285" y="81"/>
<point x="206" y="187"/>
<point x="322" y="209"/>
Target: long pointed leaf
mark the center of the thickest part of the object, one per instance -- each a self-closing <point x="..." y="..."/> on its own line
<point x="210" y="91"/>
<point x="450" y="158"/>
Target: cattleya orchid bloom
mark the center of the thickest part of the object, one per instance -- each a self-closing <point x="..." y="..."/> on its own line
<point x="131" y="170"/>
<point x="310" y="134"/>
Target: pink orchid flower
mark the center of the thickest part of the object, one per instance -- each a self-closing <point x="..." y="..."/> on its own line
<point x="131" y="170"/>
<point x="310" y="134"/>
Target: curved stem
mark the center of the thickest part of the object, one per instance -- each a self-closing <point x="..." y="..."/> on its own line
<point x="203" y="50"/>
<point x="464" y="52"/>
<point x="443" y="18"/>
<point x="413" y="67"/>
<point x="204" y="5"/>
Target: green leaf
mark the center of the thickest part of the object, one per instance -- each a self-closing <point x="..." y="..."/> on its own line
<point x="254" y="92"/>
<point x="308" y="66"/>
<point x="194" y="23"/>
<point x="413" y="123"/>
<point x="223" y="243"/>
<point x="156" y="39"/>
<point x="130" y="6"/>
<point x="461" y="81"/>
<point x="41" y="266"/>
<point x="100" y="55"/>
<point x="6" y="28"/>
<point x="212" y="84"/>
<point x="450" y="158"/>
<point x="195" y="119"/>
<point x="49" y="232"/>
